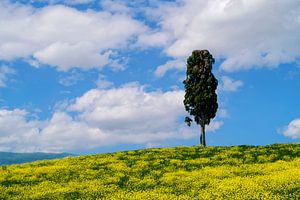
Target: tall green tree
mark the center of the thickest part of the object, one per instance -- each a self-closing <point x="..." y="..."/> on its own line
<point x="200" y="98"/>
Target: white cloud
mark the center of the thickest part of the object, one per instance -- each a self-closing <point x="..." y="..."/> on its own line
<point x="65" y="133"/>
<point x="293" y="129"/>
<point x="126" y="115"/>
<point x="229" y="84"/>
<point x="16" y="132"/>
<point x="64" y="37"/>
<point x="4" y="73"/>
<point x="66" y="56"/>
<point x="246" y="34"/>
<point x="173" y="64"/>
<point x="101" y="117"/>
<point x="130" y="109"/>
<point x="153" y="39"/>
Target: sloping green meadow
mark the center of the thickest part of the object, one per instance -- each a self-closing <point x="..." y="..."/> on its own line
<point x="239" y="172"/>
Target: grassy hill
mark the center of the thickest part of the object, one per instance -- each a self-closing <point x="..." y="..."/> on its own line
<point x="238" y="172"/>
<point x="7" y="158"/>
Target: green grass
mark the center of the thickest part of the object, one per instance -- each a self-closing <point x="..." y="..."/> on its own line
<point x="238" y="172"/>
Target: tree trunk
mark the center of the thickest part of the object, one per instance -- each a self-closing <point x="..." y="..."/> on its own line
<point x="202" y="136"/>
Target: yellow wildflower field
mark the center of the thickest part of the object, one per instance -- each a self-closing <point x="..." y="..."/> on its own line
<point x="238" y="172"/>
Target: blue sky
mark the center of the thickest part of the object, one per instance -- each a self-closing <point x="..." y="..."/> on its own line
<point x="88" y="76"/>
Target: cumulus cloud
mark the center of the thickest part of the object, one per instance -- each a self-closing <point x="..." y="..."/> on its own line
<point x="100" y="117"/>
<point x="153" y="39"/>
<point x="245" y="34"/>
<point x="130" y="109"/>
<point x="172" y="64"/>
<point x="65" y="133"/>
<point x="293" y="129"/>
<point x="4" y="73"/>
<point x="16" y="132"/>
<point x="64" y="37"/>
<point x="66" y="56"/>
<point x="229" y="84"/>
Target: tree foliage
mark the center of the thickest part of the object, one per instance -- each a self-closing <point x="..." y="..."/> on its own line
<point x="200" y="98"/>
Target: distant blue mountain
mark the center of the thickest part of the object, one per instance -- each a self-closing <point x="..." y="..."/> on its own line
<point x="7" y="158"/>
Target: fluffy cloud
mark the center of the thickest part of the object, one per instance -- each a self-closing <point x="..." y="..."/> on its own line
<point x="229" y="84"/>
<point x="153" y="39"/>
<point x="293" y="129"/>
<point x="65" y="133"/>
<point x="64" y="37"/>
<point x="66" y="56"/>
<point x="4" y="73"/>
<point x="101" y="117"/>
<point x="245" y="34"/>
<point x="16" y="132"/>
<point x="173" y="64"/>
<point x="130" y="109"/>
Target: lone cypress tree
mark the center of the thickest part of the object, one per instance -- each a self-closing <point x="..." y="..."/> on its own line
<point x="200" y="98"/>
